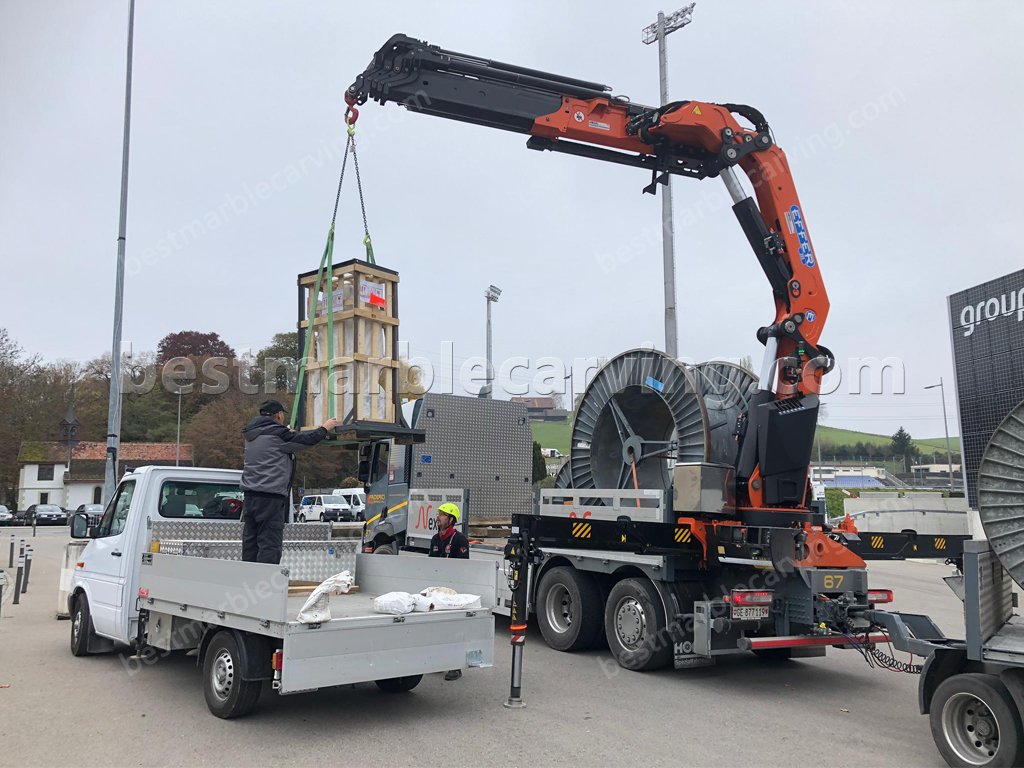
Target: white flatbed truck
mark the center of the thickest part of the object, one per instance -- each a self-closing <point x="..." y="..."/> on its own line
<point x="240" y="616"/>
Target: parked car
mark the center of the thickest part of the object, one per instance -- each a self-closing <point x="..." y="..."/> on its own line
<point x="6" y="516"/>
<point x="326" y="509"/>
<point x="355" y="498"/>
<point x="47" y="514"/>
<point x="94" y="511"/>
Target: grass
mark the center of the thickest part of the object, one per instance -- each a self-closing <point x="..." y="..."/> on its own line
<point x="556" y="434"/>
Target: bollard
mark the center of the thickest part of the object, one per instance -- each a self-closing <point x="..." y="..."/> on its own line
<point x="17" y="581"/>
<point x="3" y="580"/>
<point x="28" y="568"/>
<point x="10" y="564"/>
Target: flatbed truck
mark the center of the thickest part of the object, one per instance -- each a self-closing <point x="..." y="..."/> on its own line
<point x="128" y="591"/>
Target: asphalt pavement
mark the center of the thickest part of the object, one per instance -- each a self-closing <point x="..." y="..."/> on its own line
<point x="582" y="709"/>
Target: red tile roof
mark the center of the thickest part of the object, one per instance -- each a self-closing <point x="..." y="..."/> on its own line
<point x="39" y="452"/>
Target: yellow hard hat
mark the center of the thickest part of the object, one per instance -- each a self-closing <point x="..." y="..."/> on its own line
<point x="452" y="510"/>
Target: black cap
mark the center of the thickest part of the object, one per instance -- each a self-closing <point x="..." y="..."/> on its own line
<point x="270" y="407"/>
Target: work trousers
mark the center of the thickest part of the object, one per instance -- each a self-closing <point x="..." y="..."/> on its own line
<point x="263" y="520"/>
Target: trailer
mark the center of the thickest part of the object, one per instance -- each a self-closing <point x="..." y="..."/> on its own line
<point x="157" y="582"/>
<point x="972" y="689"/>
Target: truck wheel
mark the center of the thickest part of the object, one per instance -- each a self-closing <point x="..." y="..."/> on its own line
<point x="568" y="609"/>
<point x="635" y="625"/>
<point x="399" y="684"/>
<point x="227" y="694"/>
<point x="81" y="627"/>
<point x="385" y="549"/>
<point x="975" y="722"/>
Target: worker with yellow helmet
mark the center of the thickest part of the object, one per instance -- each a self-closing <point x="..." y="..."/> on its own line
<point x="449" y="541"/>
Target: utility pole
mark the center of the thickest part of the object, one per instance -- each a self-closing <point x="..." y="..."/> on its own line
<point x="491" y="295"/>
<point x="177" y="439"/>
<point x="945" y="424"/>
<point x="651" y="33"/>
<point x="114" y="403"/>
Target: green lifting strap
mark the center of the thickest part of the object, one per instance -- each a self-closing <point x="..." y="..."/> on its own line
<point x="324" y="275"/>
<point x="326" y="264"/>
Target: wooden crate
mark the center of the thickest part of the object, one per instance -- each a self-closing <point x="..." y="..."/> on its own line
<point x="363" y="299"/>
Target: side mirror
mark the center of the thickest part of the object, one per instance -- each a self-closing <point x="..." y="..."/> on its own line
<point x="80" y="526"/>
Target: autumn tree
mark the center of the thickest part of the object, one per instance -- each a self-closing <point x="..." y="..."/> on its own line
<point x="192" y="344"/>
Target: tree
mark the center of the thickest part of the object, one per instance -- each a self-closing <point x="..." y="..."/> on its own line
<point x="192" y="344"/>
<point x="902" y="445"/>
<point x="281" y="357"/>
<point x="540" y="468"/>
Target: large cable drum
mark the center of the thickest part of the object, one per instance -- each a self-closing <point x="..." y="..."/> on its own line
<point x="726" y="389"/>
<point x="1001" y="493"/>
<point x="641" y="410"/>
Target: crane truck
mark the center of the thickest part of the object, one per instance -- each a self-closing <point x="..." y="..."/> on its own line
<point x="687" y="528"/>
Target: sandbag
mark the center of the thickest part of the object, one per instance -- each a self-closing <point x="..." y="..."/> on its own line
<point x="394" y="603"/>
<point x="317" y="608"/>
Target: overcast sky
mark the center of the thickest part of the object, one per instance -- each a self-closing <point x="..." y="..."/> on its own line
<point x="898" y="118"/>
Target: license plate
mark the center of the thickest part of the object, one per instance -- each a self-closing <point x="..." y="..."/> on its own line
<point x="750" y="611"/>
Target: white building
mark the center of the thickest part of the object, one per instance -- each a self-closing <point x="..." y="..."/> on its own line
<point x="46" y="478"/>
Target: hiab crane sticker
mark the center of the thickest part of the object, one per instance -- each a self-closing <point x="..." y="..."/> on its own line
<point x="795" y="221"/>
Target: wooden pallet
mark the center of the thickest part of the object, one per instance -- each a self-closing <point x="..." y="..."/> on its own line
<point x="307" y="587"/>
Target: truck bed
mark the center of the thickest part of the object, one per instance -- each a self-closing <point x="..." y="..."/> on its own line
<point x="357" y="644"/>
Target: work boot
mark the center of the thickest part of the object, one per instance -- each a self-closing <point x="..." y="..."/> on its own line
<point x="453" y="674"/>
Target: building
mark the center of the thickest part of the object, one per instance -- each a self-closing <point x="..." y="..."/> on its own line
<point x="987" y="330"/>
<point x="542" y="408"/>
<point x="46" y="478"/>
<point x="854" y="477"/>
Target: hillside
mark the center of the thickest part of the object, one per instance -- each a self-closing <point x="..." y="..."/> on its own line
<point x="553" y="434"/>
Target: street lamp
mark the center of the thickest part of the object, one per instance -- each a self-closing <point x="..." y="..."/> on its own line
<point x="492" y="294"/>
<point x="945" y="424"/>
<point x="658" y="31"/>
<point x="177" y="439"/>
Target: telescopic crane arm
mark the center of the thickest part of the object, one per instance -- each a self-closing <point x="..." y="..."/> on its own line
<point x="684" y="138"/>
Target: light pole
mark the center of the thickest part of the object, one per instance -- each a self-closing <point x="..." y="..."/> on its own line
<point x="114" y="402"/>
<point x="945" y="424"/>
<point x="492" y="294"/>
<point x="177" y="439"/>
<point x="651" y="33"/>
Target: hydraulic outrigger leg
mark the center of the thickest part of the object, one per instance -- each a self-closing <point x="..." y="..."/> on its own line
<point x="517" y="555"/>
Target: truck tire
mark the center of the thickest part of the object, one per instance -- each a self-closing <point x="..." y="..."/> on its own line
<point x="385" y="549"/>
<point x="81" y="627"/>
<point x="227" y="694"/>
<point x="569" y="609"/>
<point x="974" y="722"/>
<point x="399" y="684"/>
<point x="634" y="623"/>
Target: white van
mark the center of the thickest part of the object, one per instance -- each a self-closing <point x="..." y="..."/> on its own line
<point x="356" y="498"/>
<point x="325" y="509"/>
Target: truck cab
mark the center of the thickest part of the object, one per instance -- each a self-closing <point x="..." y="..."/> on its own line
<point x="100" y="592"/>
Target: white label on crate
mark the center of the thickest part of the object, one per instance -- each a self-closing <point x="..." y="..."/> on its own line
<point x="339" y="302"/>
<point x="372" y="293"/>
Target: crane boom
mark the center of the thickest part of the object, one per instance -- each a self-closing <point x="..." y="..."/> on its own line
<point x="685" y="138"/>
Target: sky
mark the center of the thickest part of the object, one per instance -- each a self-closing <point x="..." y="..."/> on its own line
<point x="898" y="120"/>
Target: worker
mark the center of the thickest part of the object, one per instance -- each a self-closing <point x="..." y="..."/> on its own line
<point x="270" y="449"/>
<point x="449" y="541"/>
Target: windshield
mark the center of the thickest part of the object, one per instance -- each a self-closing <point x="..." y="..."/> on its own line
<point x="334" y="500"/>
<point x="48" y="508"/>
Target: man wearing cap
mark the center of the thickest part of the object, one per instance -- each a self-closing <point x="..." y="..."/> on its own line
<point x="270" y="449"/>
<point x="449" y="542"/>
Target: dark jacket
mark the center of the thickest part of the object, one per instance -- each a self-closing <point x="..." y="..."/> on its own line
<point x="456" y="546"/>
<point x="270" y="450"/>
